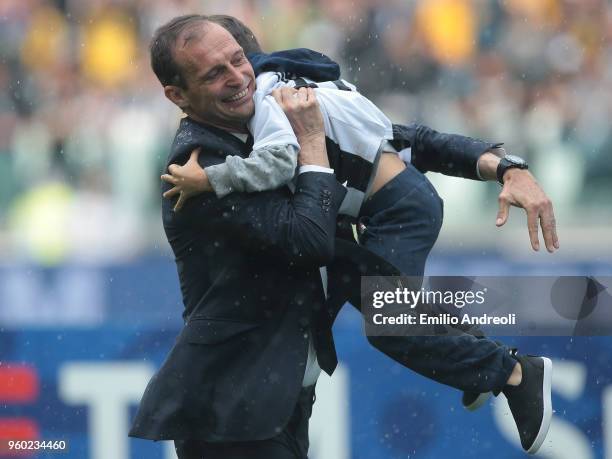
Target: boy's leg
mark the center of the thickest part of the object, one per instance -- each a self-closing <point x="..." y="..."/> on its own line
<point x="400" y="223"/>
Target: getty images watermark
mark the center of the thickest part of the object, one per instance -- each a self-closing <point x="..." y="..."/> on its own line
<point x="500" y="306"/>
<point x="412" y="298"/>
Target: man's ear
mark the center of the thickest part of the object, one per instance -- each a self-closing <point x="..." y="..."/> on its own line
<point x="176" y="96"/>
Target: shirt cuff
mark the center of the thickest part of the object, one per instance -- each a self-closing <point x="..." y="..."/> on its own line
<point x="388" y="147"/>
<point x="478" y="171"/>
<point x="314" y="168"/>
<point x="497" y="146"/>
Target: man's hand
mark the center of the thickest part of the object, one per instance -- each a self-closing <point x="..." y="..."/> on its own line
<point x="303" y="112"/>
<point x="188" y="180"/>
<point x="521" y="190"/>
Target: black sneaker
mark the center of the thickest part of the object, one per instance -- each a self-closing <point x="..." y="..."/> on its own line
<point x="530" y="401"/>
<point x="473" y="400"/>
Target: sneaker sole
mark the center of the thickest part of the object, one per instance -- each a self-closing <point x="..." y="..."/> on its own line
<point x="480" y="400"/>
<point x="546" y="389"/>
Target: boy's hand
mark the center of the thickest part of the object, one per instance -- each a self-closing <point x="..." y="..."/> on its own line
<point x="188" y="180"/>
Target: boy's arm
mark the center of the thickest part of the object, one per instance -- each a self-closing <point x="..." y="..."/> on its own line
<point x="272" y="162"/>
<point x="265" y="169"/>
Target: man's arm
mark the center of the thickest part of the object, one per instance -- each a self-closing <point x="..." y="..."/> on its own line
<point x="298" y="228"/>
<point x="520" y="189"/>
<point x="449" y="154"/>
<point x="461" y="156"/>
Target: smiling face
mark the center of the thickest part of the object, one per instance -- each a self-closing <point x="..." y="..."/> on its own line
<point x="219" y="79"/>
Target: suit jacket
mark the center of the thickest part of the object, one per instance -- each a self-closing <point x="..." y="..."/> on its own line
<point x="248" y="270"/>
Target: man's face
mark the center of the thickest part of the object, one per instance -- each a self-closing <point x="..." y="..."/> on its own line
<point x="220" y="80"/>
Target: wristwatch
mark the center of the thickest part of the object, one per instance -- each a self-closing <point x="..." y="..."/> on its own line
<point x="509" y="162"/>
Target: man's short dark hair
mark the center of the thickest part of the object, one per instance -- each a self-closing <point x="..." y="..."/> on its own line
<point x="164" y="65"/>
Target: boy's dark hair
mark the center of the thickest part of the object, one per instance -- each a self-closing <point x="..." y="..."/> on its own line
<point x="164" y="65"/>
<point x="241" y="33"/>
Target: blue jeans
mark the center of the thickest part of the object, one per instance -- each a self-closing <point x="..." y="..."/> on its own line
<point x="401" y="223"/>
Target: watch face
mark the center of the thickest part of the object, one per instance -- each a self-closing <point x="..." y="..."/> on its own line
<point x="515" y="159"/>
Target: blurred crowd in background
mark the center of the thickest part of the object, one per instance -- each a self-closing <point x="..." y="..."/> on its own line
<point x="85" y="128"/>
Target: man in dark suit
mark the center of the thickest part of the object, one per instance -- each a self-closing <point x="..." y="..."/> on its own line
<point x="236" y="383"/>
